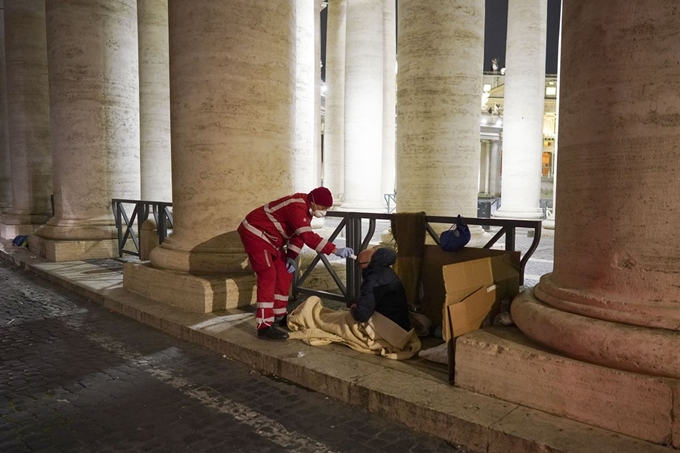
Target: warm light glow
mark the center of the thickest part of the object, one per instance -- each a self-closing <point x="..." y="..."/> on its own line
<point x="551" y="91"/>
<point x="487" y="87"/>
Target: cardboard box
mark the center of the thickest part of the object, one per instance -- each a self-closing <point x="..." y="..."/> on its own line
<point x="474" y="290"/>
<point x="433" y="289"/>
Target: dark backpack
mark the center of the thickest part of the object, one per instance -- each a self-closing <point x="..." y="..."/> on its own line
<point x="456" y="237"/>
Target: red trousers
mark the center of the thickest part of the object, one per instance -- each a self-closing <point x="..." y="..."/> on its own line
<point x="273" y="279"/>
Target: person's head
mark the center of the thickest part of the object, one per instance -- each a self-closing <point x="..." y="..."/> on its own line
<point x="364" y="258"/>
<point x="320" y="201"/>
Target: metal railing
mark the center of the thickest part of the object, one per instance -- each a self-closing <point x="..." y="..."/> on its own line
<point x="351" y="222"/>
<point x="127" y="224"/>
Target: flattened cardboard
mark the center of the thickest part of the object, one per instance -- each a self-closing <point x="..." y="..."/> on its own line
<point x="434" y="292"/>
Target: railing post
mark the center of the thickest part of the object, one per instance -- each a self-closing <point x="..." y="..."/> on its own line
<point x="119" y="228"/>
<point x="510" y="238"/>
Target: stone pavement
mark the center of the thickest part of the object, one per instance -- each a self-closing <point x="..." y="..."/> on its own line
<point x="77" y="377"/>
<point x="411" y="392"/>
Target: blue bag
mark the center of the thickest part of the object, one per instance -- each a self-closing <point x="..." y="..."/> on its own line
<point x="456" y="237"/>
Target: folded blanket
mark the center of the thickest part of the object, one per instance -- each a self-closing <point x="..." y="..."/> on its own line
<point x="316" y="325"/>
<point x="409" y="229"/>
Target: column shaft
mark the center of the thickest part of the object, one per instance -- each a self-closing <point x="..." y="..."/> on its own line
<point x="389" y="96"/>
<point x="232" y="70"/>
<point x="28" y="121"/>
<point x="616" y="256"/>
<point x="5" y="170"/>
<point x="495" y="168"/>
<point x="154" y="100"/>
<point x="305" y="158"/>
<point x="523" y="112"/>
<point x="441" y="48"/>
<point x="334" y="130"/>
<point x="94" y="108"/>
<point x="364" y="104"/>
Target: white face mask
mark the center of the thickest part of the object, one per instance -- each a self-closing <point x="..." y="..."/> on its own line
<point x="319" y="214"/>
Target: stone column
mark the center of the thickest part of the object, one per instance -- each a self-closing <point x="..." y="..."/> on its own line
<point x="334" y="132"/>
<point x="495" y="168"/>
<point x="5" y="172"/>
<point x="364" y="105"/>
<point x="523" y="112"/>
<point x="232" y="72"/>
<point x="389" y="96"/>
<point x="305" y="158"/>
<point x="484" y="166"/>
<point x="319" y="5"/>
<point x="613" y="298"/>
<point x="441" y="47"/>
<point x="29" y="117"/>
<point x="154" y="100"/>
<point x="94" y="110"/>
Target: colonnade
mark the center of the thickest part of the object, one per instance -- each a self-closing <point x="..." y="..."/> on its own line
<point x="85" y="114"/>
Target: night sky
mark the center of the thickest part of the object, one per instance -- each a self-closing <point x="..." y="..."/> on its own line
<point x="494" y="34"/>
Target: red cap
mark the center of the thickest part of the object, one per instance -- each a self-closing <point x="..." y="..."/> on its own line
<point x="321" y="196"/>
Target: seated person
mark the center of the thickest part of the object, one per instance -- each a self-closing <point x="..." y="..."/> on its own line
<point x="381" y="289"/>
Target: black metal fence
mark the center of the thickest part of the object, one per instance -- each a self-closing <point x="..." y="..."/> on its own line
<point x="129" y="226"/>
<point x="355" y="238"/>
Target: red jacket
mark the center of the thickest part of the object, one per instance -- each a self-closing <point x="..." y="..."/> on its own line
<point x="286" y="221"/>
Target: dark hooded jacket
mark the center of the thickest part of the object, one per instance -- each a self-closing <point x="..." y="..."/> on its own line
<point x="382" y="291"/>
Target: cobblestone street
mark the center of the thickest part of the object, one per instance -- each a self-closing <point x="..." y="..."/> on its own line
<point x="76" y="377"/>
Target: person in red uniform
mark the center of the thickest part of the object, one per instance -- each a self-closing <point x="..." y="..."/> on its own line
<point x="273" y="236"/>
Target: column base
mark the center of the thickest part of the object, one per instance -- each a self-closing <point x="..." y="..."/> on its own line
<point x="652" y="351"/>
<point x="11" y="231"/>
<point x="519" y="214"/>
<point x="198" y="294"/>
<point x="503" y="363"/>
<point x="72" y="250"/>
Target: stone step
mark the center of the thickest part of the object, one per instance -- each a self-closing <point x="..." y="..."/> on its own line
<point x="501" y="362"/>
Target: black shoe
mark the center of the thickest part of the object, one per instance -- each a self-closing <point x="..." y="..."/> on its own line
<point x="282" y="322"/>
<point x="272" y="333"/>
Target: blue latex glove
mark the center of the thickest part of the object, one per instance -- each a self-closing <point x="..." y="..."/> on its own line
<point x="344" y="252"/>
<point x="290" y="265"/>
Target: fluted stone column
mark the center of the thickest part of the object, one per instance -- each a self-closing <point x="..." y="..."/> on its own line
<point x="613" y="298"/>
<point x="389" y="96"/>
<point x="94" y="110"/>
<point x="305" y="158"/>
<point x="29" y="120"/>
<point x="364" y="105"/>
<point x="232" y="69"/>
<point x="495" y="168"/>
<point x="441" y="47"/>
<point x="5" y="171"/>
<point x="154" y="100"/>
<point x="523" y="110"/>
<point x="334" y="131"/>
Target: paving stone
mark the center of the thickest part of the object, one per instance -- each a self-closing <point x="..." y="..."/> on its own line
<point x="81" y="378"/>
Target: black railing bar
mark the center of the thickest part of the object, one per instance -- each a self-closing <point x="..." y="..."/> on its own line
<point x="123" y="200"/>
<point x="487" y="222"/>
<point x="364" y="215"/>
<point x="322" y="294"/>
<point x="495" y="239"/>
<point x="119" y="228"/>
<point x="169" y="214"/>
<point x="368" y="237"/>
<point x="129" y="224"/>
<point x="299" y="281"/>
<point x="433" y="234"/>
<point x="529" y="252"/>
<point x="334" y="275"/>
<point x="128" y="252"/>
<point x="318" y="256"/>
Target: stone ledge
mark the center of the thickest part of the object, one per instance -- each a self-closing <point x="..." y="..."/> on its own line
<point x="481" y="423"/>
<point x="59" y="251"/>
<point x="503" y="363"/>
<point x="196" y="293"/>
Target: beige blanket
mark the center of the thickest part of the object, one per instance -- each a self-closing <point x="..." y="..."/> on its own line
<point x="319" y="326"/>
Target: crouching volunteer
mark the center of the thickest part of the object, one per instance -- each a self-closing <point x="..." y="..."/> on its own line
<point x="273" y="236"/>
